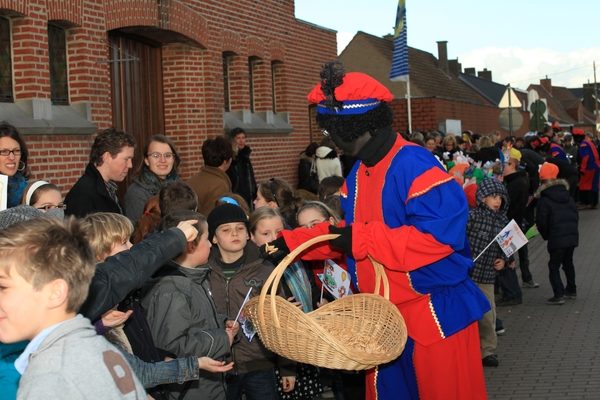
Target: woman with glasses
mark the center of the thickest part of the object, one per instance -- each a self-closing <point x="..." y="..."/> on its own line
<point x="13" y="162"/>
<point x="158" y="166"/>
<point x="43" y="195"/>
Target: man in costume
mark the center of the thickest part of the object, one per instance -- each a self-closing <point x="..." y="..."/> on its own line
<point x="589" y="168"/>
<point x="405" y="211"/>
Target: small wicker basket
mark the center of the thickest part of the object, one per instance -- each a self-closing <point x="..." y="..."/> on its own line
<point x="352" y="333"/>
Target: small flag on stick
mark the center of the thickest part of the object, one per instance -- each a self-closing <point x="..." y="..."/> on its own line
<point x="510" y="239"/>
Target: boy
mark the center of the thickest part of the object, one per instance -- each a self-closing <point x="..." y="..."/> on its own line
<point x="45" y="271"/>
<point x="484" y="223"/>
<point x="182" y="314"/>
<point x="236" y="266"/>
<point x="557" y="221"/>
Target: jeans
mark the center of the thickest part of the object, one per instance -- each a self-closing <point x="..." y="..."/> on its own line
<point x="524" y="264"/>
<point x="150" y="375"/>
<point x="509" y="283"/>
<point x="565" y="257"/>
<point x="257" y="385"/>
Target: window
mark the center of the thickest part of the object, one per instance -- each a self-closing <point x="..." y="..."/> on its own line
<point x="6" y="93"/>
<point x="59" y="84"/>
<point x="274" y="83"/>
<point x="251" y="64"/>
<point x="226" y="92"/>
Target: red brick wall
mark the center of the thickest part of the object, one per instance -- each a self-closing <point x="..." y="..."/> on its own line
<point x="192" y="75"/>
<point x="428" y="112"/>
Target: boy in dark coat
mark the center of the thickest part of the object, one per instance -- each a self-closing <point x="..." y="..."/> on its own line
<point x="557" y="220"/>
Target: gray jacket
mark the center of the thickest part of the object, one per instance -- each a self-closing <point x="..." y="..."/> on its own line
<point x="184" y="320"/>
<point x="136" y="197"/>
<point x="75" y="363"/>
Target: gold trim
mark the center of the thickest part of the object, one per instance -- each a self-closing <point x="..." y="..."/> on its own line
<point x="438" y="183"/>
<point x="354" y="219"/>
<point x="411" y="284"/>
<point x="375" y="382"/>
<point x="435" y="318"/>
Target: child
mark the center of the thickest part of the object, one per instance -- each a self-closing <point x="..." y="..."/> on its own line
<point x="45" y="271"/>
<point x="557" y="221"/>
<point x="43" y="195"/>
<point x="182" y="314"/>
<point x="147" y="222"/>
<point x="176" y="195"/>
<point x="484" y="223"/>
<point x="108" y="234"/>
<point x="237" y="266"/>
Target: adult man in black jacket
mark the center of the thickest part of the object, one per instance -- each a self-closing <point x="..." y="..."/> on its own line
<point x="241" y="172"/>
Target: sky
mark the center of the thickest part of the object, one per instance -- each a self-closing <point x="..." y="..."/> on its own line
<point x="520" y="41"/>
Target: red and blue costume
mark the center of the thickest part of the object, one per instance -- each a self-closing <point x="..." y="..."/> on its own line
<point x="589" y="166"/>
<point x="557" y="152"/>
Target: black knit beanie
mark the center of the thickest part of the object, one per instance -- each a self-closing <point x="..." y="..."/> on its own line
<point x="224" y="214"/>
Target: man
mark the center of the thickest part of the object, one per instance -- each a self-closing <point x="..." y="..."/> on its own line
<point x="241" y="172"/>
<point x="589" y="168"/>
<point x="110" y="161"/>
<point x="518" y="193"/>
<point x="405" y="211"/>
<point x="211" y="182"/>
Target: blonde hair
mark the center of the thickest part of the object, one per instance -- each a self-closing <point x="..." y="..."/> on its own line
<point x="42" y="250"/>
<point x="321" y="208"/>
<point x="261" y="213"/>
<point x="105" y="230"/>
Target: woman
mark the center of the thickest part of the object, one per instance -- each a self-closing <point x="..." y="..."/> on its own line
<point x="13" y="163"/>
<point x="278" y="195"/>
<point x="159" y="165"/>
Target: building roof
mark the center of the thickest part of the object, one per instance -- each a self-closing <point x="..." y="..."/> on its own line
<point x="426" y="77"/>
<point x="564" y="104"/>
<point x="490" y="90"/>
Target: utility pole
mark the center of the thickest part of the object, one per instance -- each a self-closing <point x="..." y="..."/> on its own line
<point x="596" y="99"/>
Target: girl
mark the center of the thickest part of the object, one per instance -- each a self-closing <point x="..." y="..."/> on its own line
<point x="43" y="195"/>
<point x="148" y="221"/>
<point x="277" y="194"/>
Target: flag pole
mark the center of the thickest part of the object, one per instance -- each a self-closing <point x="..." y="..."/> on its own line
<point x="408" y="108"/>
<point x="486" y="247"/>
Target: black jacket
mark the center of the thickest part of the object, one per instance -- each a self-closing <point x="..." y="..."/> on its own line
<point x="557" y="218"/>
<point x="532" y="160"/>
<point x="241" y="174"/>
<point x="89" y="195"/>
<point x="518" y="193"/>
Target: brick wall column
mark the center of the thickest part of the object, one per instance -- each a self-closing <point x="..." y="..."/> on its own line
<point x="239" y="83"/>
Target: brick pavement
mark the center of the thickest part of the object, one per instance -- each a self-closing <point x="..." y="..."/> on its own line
<point x="551" y="352"/>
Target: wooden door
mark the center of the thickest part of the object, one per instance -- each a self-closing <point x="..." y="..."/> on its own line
<point x="137" y="92"/>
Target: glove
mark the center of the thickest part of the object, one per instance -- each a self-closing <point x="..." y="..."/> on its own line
<point x="277" y="250"/>
<point x="344" y="241"/>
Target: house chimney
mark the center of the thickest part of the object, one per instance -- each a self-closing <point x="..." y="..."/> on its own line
<point x="470" y="71"/>
<point x="485" y="74"/>
<point x="443" y="55"/>
<point x="547" y="84"/>
<point x="455" y="67"/>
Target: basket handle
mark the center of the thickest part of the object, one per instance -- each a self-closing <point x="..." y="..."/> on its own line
<point x="272" y="282"/>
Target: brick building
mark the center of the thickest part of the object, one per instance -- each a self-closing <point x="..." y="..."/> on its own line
<point x="190" y="69"/>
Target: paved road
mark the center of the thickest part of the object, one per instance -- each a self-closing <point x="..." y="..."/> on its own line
<point x="552" y="352"/>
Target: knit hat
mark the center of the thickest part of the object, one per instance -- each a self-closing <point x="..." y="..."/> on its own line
<point x="24" y="212"/>
<point x="224" y="214"/>
<point x="548" y="171"/>
<point x="514" y="153"/>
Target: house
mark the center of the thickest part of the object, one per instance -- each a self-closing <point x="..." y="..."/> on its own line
<point x="190" y="69"/>
<point x="438" y="93"/>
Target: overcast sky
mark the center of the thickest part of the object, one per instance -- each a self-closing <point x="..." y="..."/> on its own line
<point x="520" y="41"/>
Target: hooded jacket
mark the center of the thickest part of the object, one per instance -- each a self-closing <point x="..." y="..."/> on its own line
<point x="229" y="295"/>
<point x="557" y="218"/>
<point x="328" y="163"/>
<point x="482" y="227"/>
<point x="184" y="319"/>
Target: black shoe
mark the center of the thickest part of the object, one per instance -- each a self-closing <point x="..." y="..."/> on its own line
<point x="531" y="285"/>
<point x="556" y="301"/>
<point x="570" y="295"/>
<point x="500" y="330"/>
<point x="508" y="302"/>
<point x="490" y="361"/>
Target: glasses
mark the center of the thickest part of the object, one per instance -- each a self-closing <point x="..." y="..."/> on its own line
<point x="6" y="152"/>
<point x="49" y="207"/>
<point x="271" y="187"/>
<point x="166" y="156"/>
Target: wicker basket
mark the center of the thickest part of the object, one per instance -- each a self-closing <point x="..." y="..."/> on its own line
<point x="353" y="333"/>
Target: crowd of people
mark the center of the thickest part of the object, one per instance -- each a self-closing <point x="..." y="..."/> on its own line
<point x="144" y="297"/>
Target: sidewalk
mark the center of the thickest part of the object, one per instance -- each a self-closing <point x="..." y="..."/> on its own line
<point x="551" y="352"/>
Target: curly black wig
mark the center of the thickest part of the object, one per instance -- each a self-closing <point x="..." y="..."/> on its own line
<point x="350" y="127"/>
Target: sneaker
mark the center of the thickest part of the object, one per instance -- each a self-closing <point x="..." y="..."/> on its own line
<point x="531" y="285"/>
<point x="328" y="395"/>
<point x="500" y="330"/>
<point x="508" y="302"/>
<point x="570" y="295"/>
<point x="556" y="301"/>
<point x="490" y="361"/>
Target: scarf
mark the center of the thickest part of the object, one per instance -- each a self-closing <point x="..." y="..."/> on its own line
<point x="16" y="186"/>
<point x="148" y="177"/>
<point x="297" y="281"/>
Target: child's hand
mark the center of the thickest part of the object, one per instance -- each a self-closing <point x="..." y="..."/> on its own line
<point x="322" y="303"/>
<point x="210" y="365"/>
<point x="288" y="383"/>
<point x="499" y="264"/>
<point x="188" y="229"/>
<point x="296" y="303"/>
<point x="113" y="318"/>
<point x="511" y="265"/>
<point x="232" y="326"/>
<point x="231" y="336"/>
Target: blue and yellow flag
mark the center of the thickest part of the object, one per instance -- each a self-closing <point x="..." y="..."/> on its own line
<point x="399" y="71"/>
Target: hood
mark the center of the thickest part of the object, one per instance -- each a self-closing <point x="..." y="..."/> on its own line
<point x="492" y="187"/>
<point x="323" y="152"/>
<point x="555" y="189"/>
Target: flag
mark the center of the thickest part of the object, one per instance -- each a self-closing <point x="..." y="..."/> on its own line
<point x="511" y="238"/>
<point x="335" y="279"/>
<point x="399" y="71"/>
